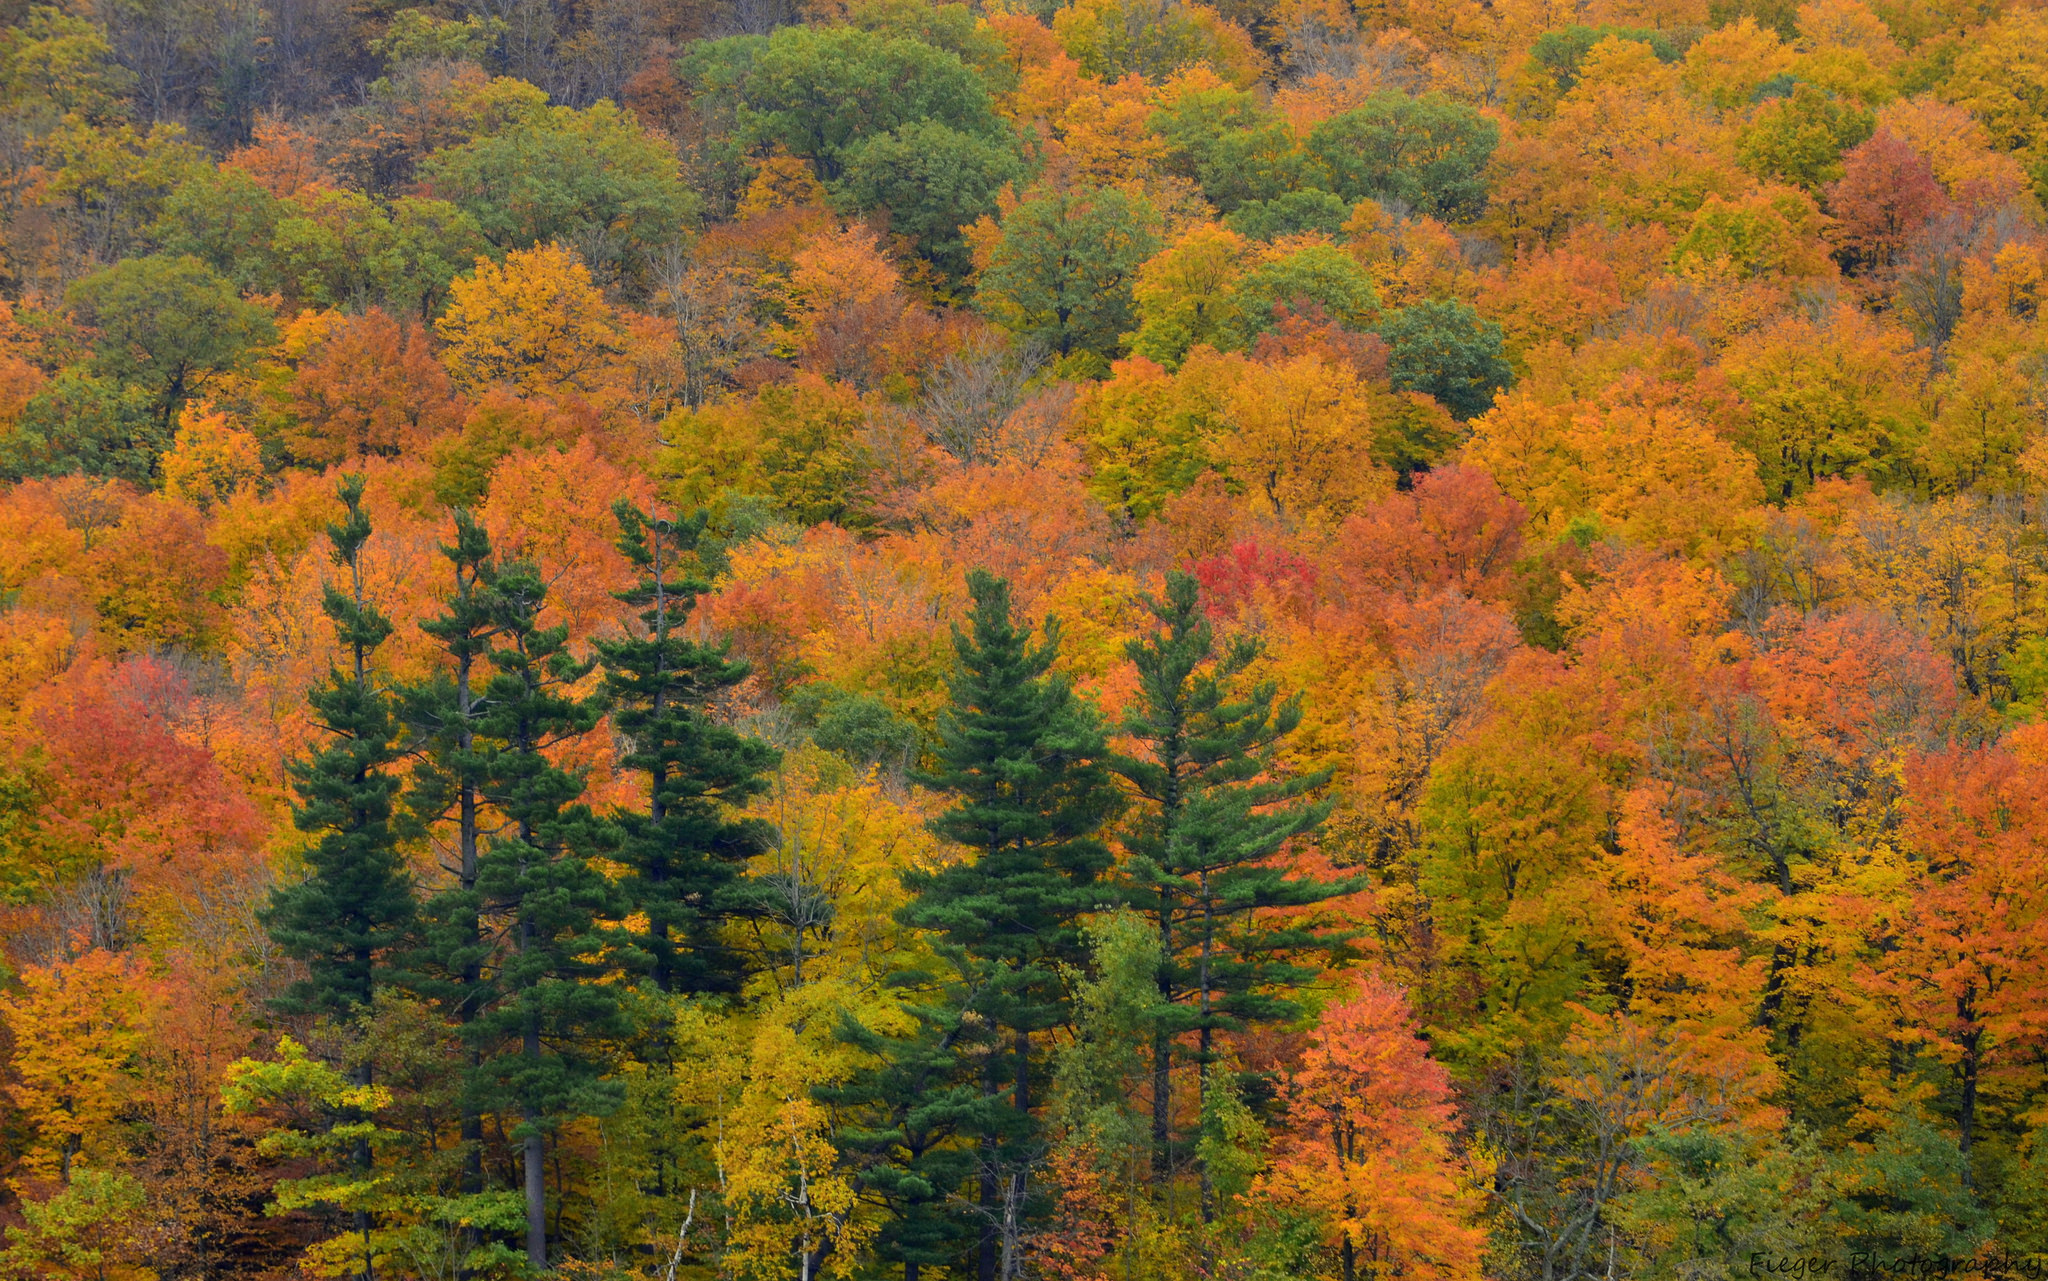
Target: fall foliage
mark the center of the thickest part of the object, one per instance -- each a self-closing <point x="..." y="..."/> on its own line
<point x="1100" y="640"/>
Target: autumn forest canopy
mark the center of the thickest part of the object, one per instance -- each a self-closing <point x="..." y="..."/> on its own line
<point x="1035" y="640"/>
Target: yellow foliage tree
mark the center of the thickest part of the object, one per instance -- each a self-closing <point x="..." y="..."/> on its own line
<point x="1184" y="293"/>
<point x="78" y="1029"/>
<point x="211" y="459"/>
<point x="1300" y="438"/>
<point x="536" y="325"/>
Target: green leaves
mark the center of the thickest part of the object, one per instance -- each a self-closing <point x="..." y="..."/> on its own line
<point x="1429" y="153"/>
<point x="168" y="325"/>
<point x="933" y="180"/>
<point x="592" y="179"/>
<point x="1062" y="274"/>
<point x="818" y="92"/>
<point x="1446" y="349"/>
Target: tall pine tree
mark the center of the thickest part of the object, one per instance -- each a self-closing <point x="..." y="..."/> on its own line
<point x="355" y="907"/>
<point x="1023" y="757"/>
<point x="541" y="1037"/>
<point x="1215" y="805"/>
<point x="448" y="965"/>
<point x="686" y="851"/>
<point x="356" y="903"/>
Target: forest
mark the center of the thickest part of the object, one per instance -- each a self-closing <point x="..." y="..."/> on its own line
<point x="1026" y="640"/>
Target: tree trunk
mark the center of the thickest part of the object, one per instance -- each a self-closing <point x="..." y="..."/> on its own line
<point x="985" y="1255"/>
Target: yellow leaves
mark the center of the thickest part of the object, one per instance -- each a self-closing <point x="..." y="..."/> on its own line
<point x="536" y="325"/>
<point x="1301" y="439"/>
<point x="2001" y="77"/>
<point x="1959" y="150"/>
<point x="843" y="847"/>
<point x="1772" y="232"/>
<point x="1409" y="258"/>
<point x="1184" y="293"/>
<point x="1726" y="66"/>
<point x="1634" y="459"/>
<point x="781" y="182"/>
<point x="1985" y="417"/>
<point x="1625" y="101"/>
<point x="78" y="1029"/>
<point x="1837" y="396"/>
<point x="211" y="459"/>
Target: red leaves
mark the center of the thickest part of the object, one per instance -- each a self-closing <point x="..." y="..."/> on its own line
<point x="1251" y="571"/>
<point x="1886" y="193"/>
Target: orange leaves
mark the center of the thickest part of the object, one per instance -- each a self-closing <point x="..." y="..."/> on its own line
<point x="367" y="386"/>
<point x="1368" y="1143"/>
<point x="1634" y="460"/>
<point x="211" y="458"/>
<point x="1301" y="440"/>
<point x="130" y="794"/>
<point x="554" y="508"/>
<point x="1454" y="529"/>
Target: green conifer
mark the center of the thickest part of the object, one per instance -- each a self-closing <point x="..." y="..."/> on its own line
<point x="1215" y="804"/>
<point x="686" y="852"/>
<point x="1023" y="758"/>
<point x="356" y="903"/>
<point x="541" y="1036"/>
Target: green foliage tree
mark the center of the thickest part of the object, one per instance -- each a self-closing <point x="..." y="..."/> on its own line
<point x="1289" y="214"/>
<point x="1024" y="759"/>
<point x="1220" y="139"/>
<point x="55" y="64"/>
<point x="1800" y="138"/>
<point x="1321" y="274"/>
<point x="83" y="423"/>
<point x="592" y="179"/>
<point x="355" y="905"/>
<point x="1560" y="52"/>
<point x="169" y="326"/>
<point x="1061" y="276"/>
<point x="933" y="180"/>
<point x="1215" y="805"/>
<point x="1447" y="349"/>
<point x="819" y="92"/>
<point x="226" y="219"/>
<point x="1429" y="153"/>
<point x="687" y="852"/>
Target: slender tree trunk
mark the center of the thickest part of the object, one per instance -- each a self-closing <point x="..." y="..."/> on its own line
<point x="1162" y="1056"/>
<point x="536" y="1153"/>
<point x="1206" y="1037"/>
<point x="360" y="1156"/>
<point x="470" y="1124"/>
<point x="1966" y="1119"/>
<point x="985" y="1257"/>
<point x="1013" y="1203"/>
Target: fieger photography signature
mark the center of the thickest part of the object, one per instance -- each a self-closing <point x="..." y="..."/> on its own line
<point x="1859" y="1265"/>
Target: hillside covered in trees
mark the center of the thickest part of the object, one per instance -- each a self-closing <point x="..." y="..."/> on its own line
<point x="1122" y="640"/>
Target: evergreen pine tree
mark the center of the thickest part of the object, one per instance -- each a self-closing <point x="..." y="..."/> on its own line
<point x="448" y="965"/>
<point x="545" y="901"/>
<point x="355" y="906"/>
<point x="356" y="903"/>
<point x="904" y="1117"/>
<point x="686" y="852"/>
<point x="1215" y="806"/>
<point x="1023" y="757"/>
